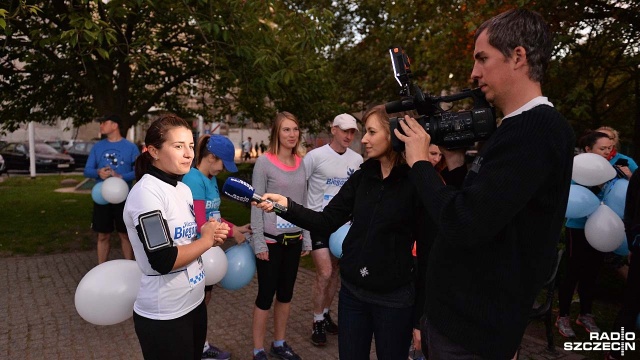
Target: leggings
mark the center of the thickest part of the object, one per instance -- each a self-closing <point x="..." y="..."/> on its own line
<point x="176" y="339"/>
<point x="583" y="264"/>
<point x="278" y="275"/>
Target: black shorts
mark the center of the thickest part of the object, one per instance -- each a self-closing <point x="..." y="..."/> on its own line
<point x="107" y="217"/>
<point x="319" y="241"/>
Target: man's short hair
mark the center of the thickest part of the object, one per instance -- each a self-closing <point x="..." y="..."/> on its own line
<point x="521" y="27"/>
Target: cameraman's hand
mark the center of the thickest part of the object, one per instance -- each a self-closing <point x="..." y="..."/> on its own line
<point x="416" y="140"/>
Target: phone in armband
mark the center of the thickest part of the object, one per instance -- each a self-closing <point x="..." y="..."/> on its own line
<point x="154" y="231"/>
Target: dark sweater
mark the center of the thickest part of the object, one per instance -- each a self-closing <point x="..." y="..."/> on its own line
<point x="498" y="234"/>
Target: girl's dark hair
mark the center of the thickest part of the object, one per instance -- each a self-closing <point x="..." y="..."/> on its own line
<point x="156" y="137"/>
<point x="380" y="112"/>
<point x="201" y="150"/>
<point x="590" y="138"/>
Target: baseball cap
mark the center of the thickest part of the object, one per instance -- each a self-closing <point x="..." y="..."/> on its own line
<point x="223" y="148"/>
<point x="345" y="122"/>
<point x="113" y="117"/>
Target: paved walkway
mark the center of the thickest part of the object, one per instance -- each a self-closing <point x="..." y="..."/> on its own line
<point x="39" y="320"/>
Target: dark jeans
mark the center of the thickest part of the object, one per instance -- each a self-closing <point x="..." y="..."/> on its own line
<point x="359" y="321"/>
<point x="177" y="339"/>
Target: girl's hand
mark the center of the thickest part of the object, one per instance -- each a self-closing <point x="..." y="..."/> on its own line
<point x="263" y="255"/>
<point x="214" y="231"/>
<point x="246" y="228"/>
<point x="238" y="236"/>
<point x="625" y="170"/>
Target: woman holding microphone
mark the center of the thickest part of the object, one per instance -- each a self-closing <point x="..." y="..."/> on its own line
<point x="378" y="291"/>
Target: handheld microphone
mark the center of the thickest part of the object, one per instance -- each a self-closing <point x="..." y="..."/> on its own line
<point x="241" y="191"/>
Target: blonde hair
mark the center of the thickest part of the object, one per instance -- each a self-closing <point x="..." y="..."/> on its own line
<point x="616" y="135"/>
<point x="274" y="144"/>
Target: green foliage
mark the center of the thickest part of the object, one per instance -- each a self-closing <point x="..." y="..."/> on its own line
<point x="81" y="59"/>
<point x="593" y="78"/>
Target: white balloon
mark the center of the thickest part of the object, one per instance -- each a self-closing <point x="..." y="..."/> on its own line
<point x="106" y="294"/>
<point x="215" y="265"/>
<point x="604" y="229"/>
<point x="115" y="190"/>
<point x="591" y="169"/>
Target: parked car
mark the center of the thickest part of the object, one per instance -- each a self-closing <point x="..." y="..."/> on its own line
<point x="2" y="166"/>
<point x="56" y="144"/>
<point x="80" y="152"/>
<point x="16" y="157"/>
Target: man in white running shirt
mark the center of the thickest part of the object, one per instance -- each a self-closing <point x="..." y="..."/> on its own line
<point x="328" y="168"/>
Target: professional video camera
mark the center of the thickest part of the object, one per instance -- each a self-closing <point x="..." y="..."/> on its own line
<point x="447" y="128"/>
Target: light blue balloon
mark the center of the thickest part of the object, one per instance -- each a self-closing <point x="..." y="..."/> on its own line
<point x="616" y="195"/>
<point x="582" y="202"/>
<point x="337" y="238"/>
<point x="96" y="194"/>
<point x="623" y="249"/>
<point x="241" y="268"/>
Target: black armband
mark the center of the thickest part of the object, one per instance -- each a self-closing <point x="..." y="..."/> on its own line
<point x="153" y="231"/>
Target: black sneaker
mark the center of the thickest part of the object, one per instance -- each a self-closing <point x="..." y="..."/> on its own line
<point x="284" y="352"/>
<point x="318" y="336"/>
<point x="329" y="325"/>
<point x="260" y="356"/>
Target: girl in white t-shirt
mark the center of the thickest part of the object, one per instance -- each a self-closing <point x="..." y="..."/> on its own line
<point x="170" y="317"/>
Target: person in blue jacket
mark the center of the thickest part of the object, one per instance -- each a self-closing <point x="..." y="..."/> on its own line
<point x="111" y="156"/>
<point x="626" y="166"/>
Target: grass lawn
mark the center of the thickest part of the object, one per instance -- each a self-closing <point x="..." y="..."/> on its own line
<point x="35" y="219"/>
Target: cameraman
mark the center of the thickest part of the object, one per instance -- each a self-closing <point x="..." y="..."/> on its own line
<point x="497" y="235"/>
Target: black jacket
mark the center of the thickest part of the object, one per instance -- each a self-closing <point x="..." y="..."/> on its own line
<point x="386" y="215"/>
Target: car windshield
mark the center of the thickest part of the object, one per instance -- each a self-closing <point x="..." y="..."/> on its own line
<point x="45" y="149"/>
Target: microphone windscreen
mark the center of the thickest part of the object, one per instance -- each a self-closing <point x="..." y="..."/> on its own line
<point x="238" y="189"/>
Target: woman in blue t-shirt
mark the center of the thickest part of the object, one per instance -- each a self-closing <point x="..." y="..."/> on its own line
<point x="214" y="153"/>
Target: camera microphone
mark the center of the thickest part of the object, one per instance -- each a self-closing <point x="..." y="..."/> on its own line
<point x="241" y="191"/>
